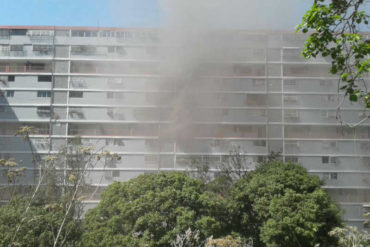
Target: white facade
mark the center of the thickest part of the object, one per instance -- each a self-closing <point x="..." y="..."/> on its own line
<point x="105" y="85"/>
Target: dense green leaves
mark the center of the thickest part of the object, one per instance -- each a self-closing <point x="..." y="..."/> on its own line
<point x="151" y="210"/>
<point x="335" y="33"/>
<point x="276" y="205"/>
<point x="281" y="205"/>
<point x="38" y="227"/>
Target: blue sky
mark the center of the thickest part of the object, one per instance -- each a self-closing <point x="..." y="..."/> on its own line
<point x="111" y="13"/>
<point x="276" y="14"/>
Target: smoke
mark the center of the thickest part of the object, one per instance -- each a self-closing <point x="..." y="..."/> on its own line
<point x="197" y="37"/>
<point x="234" y="14"/>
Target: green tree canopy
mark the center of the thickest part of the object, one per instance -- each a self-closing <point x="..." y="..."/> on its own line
<point x="151" y="210"/>
<point x="38" y="227"/>
<point x="281" y="205"/>
<point x="335" y="32"/>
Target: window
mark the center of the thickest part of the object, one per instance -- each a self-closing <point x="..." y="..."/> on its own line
<point x="290" y="83"/>
<point x="292" y="159"/>
<point x="330" y="176"/>
<point x="16" y="48"/>
<point x="118" y="142"/>
<point x="43" y="94"/>
<point x="110" y="112"/>
<point x="43" y="49"/>
<point x="259" y="143"/>
<point x="325" y="159"/>
<point x="106" y="33"/>
<point x="11" y="78"/>
<point x="20" y="32"/>
<point x="333" y="160"/>
<point x="10" y="93"/>
<point x="290" y="98"/>
<point x="76" y="114"/>
<point x="4" y="33"/>
<point x="40" y="33"/>
<point x="76" y="94"/>
<point x="44" y="78"/>
<point x="109" y="174"/>
<point x="43" y="111"/>
<point x="3" y="109"/>
<point x="84" y="33"/>
<point x="292" y="114"/>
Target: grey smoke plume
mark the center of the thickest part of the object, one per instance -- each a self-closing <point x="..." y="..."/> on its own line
<point x="196" y="36"/>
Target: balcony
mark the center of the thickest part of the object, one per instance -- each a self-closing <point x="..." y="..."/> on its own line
<point x="26" y="68"/>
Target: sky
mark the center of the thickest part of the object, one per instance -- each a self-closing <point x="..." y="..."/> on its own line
<point x="283" y="14"/>
<point x="107" y="13"/>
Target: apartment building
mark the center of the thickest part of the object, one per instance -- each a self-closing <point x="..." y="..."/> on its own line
<point x="105" y="85"/>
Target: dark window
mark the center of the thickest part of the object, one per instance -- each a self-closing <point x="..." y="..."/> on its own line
<point x="10" y="93"/>
<point x="84" y="33"/>
<point x="16" y="48"/>
<point x="118" y="142"/>
<point x="334" y="176"/>
<point x="44" y="78"/>
<point x="11" y="77"/>
<point x="43" y="94"/>
<point x="76" y="94"/>
<point x="325" y="159"/>
<point x="19" y="31"/>
<point x="43" y="111"/>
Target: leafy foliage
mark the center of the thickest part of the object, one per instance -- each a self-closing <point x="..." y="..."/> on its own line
<point x="151" y="210"/>
<point x="351" y="237"/>
<point x="227" y="241"/>
<point x="281" y="205"/>
<point x="40" y="225"/>
<point x="335" y="26"/>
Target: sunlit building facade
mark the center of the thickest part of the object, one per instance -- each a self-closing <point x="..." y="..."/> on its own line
<point x="105" y="86"/>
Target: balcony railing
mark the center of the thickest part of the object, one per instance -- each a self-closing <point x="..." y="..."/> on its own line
<point x="25" y="68"/>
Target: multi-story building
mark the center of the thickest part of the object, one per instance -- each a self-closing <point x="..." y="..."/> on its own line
<point x="105" y="85"/>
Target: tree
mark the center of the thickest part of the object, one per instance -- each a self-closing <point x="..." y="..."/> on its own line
<point x="281" y="205"/>
<point x="335" y="27"/>
<point x="40" y="226"/>
<point x="54" y="201"/>
<point x="151" y="210"/>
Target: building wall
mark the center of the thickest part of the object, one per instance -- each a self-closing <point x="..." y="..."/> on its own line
<point x="106" y="86"/>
